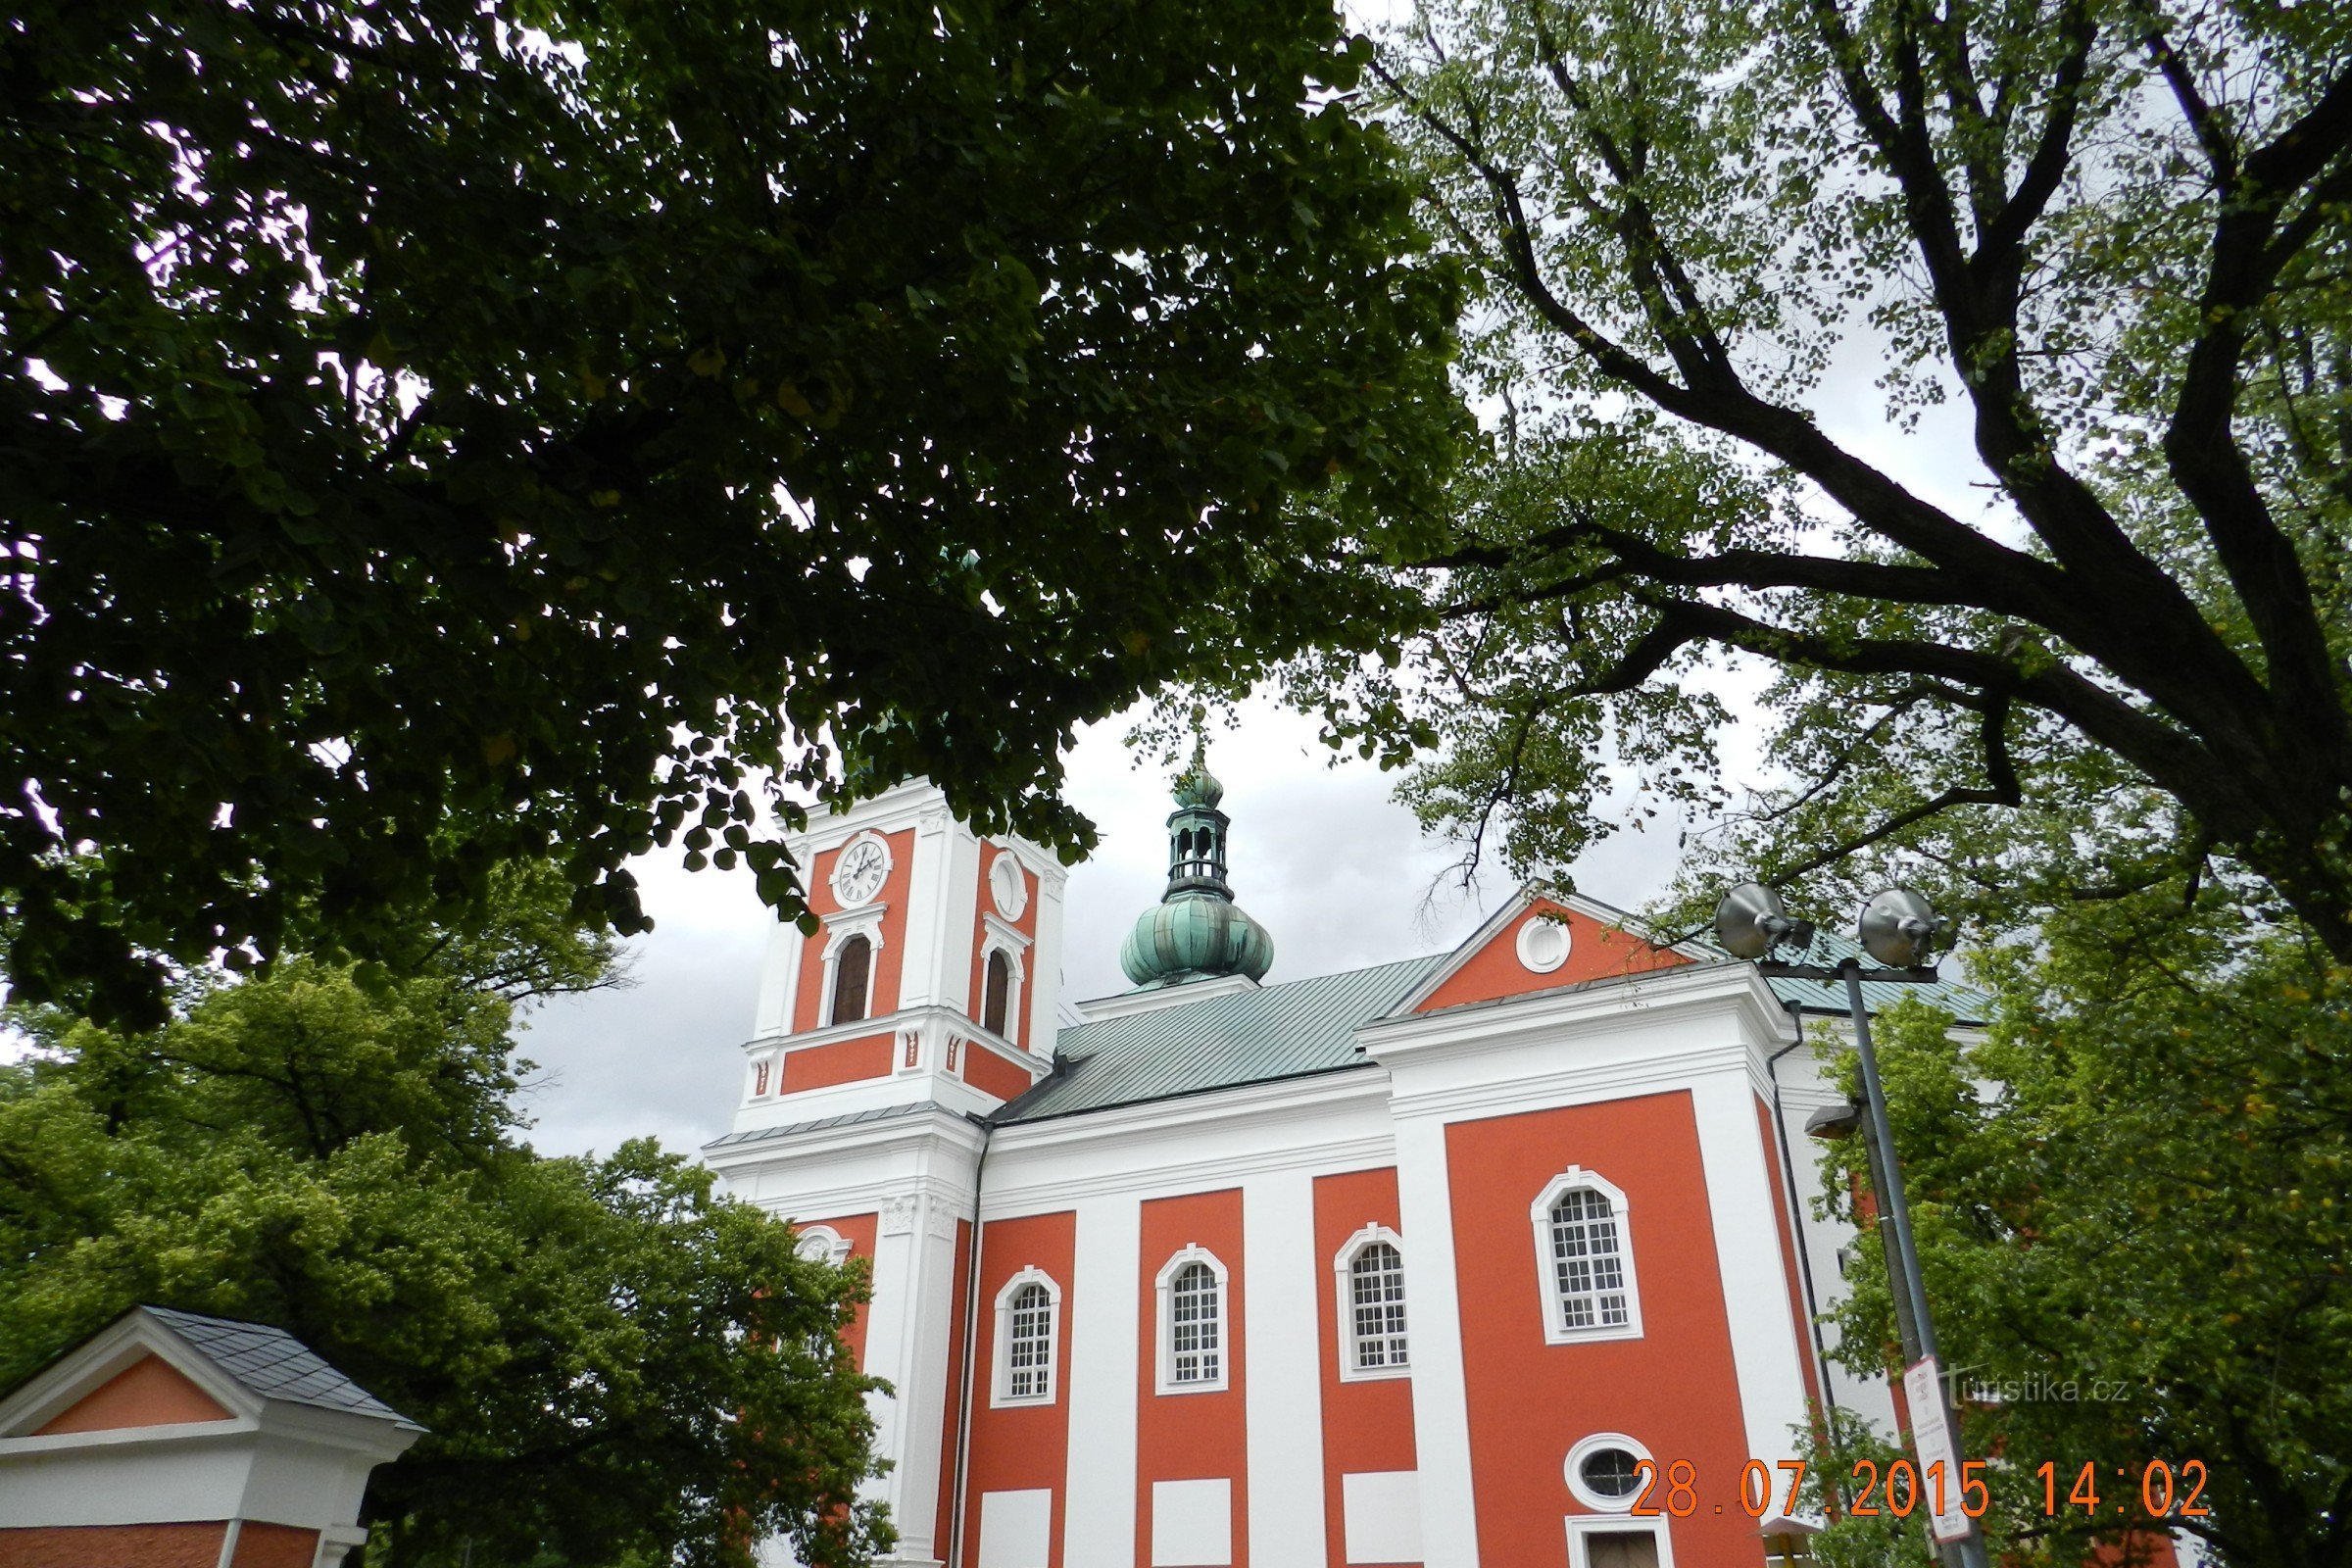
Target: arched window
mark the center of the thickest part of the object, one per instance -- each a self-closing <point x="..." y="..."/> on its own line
<point x="1584" y="1259"/>
<point x="1192" y="1323"/>
<point x="1029" y="1346"/>
<point x="851" y="967"/>
<point x="1028" y="1333"/>
<point x="1377" y="1308"/>
<point x="999" y="997"/>
<point x="1199" y="1322"/>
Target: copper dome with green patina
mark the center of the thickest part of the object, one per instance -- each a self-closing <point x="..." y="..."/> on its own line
<point x="1195" y="931"/>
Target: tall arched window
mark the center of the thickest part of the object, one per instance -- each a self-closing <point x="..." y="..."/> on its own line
<point x="1029" y="1346"/>
<point x="999" y="995"/>
<point x="1586" y="1260"/>
<point x="1195" y="1345"/>
<point x="851" y="967"/>
<point x="1191" y="1322"/>
<point x="1028" y="1330"/>
<point x="1376" y="1307"/>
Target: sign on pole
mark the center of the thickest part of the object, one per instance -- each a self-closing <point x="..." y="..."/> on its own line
<point x="1931" y="1438"/>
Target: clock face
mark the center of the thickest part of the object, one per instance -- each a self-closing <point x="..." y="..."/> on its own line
<point x="1007" y="886"/>
<point x="858" y="875"/>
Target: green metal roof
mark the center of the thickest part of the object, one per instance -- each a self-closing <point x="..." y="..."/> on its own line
<point x="1308" y="1026"/>
<point x="1221" y="1042"/>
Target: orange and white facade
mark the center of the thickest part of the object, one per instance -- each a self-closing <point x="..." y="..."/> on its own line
<point x="1403" y="1266"/>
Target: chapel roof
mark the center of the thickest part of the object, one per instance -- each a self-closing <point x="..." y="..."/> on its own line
<point x="1301" y="1027"/>
<point x="271" y="1362"/>
<point x="1287" y="1030"/>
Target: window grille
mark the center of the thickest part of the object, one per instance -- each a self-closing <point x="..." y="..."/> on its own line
<point x="1588" y="1260"/>
<point x="1029" y="1360"/>
<point x="1195" y="1325"/>
<point x="1375" y="1286"/>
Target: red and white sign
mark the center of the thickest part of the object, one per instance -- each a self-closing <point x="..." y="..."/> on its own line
<point x="1938" y="1451"/>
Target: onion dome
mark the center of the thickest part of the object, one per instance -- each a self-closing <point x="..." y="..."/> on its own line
<point x="1195" y="931"/>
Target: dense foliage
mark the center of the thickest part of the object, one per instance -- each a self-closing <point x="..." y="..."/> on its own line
<point x="614" y="1365"/>
<point x="2106" y="585"/>
<point x="2143" y="1244"/>
<point x="434" y="432"/>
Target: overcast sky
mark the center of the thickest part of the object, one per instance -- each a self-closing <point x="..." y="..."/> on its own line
<point x="1325" y="860"/>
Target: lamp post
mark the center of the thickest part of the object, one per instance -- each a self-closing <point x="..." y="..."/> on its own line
<point x="1898" y="929"/>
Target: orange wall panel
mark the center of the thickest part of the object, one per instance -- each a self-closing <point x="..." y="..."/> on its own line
<point x="882" y="989"/>
<point x="985" y="1071"/>
<point x="1021" y="1447"/>
<point x="845" y="1061"/>
<point x="1191" y="1437"/>
<point x="1596" y="952"/>
<point x="1366" y="1425"/>
<point x="1674" y="1390"/>
<point x="149" y="1392"/>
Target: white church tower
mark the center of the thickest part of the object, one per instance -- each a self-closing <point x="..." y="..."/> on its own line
<point x="927" y="998"/>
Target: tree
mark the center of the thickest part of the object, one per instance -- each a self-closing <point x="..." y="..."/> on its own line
<point x="2113" y="231"/>
<point x="613" y="1364"/>
<point x="2140" y="1244"/>
<point x="441" y="433"/>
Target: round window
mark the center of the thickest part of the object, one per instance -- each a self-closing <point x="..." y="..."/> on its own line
<point x="1543" y="945"/>
<point x="1606" y="1472"/>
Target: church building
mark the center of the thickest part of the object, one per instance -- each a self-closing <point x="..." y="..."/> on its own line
<point x="1497" y="1257"/>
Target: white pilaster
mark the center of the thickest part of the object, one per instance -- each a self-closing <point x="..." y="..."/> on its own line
<point x="1098" y="1516"/>
<point x="1283" y="1391"/>
<point x="927" y="900"/>
<point x="1045" y="961"/>
<point x="1740" y="1173"/>
<point x="1440" y="1393"/>
<point x="779" y="976"/>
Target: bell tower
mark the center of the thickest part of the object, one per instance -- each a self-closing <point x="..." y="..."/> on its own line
<point x="927" y="996"/>
<point x="1195" y="931"/>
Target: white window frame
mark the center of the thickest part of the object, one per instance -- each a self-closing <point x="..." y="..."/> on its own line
<point x="1582" y="1527"/>
<point x="1573" y="1469"/>
<point x="1556" y="1330"/>
<point x="999" y="942"/>
<point x="1343" y="1268"/>
<point x="1165" y="1286"/>
<point x="825" y="1235"/>
<point x="864" y="922"/>
<point x="1001" y="1382"/>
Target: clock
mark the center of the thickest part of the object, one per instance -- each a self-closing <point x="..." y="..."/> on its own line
<point x="859" y="874"/>
<point x="1007" y="886"/>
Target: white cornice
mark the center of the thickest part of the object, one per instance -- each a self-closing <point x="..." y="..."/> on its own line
<point x="938" y="1125"/>
<point x="1655" y="1074"/>
<point x="1127" y="1004"/>
<point x="1279" y="1099"/>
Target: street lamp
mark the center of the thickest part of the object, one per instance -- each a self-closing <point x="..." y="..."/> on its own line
<point x="1898" y="929"/>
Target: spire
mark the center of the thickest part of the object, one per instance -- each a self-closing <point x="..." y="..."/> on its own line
<point x="1195" y="931"/>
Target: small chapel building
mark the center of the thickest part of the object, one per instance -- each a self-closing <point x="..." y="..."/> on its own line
<point x="1413" y="1264"/>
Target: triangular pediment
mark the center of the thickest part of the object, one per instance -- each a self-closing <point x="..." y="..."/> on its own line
<point x="1537" y="943"/>
<point x="133" y="1373"/>
<point x="149" y="1392"/>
